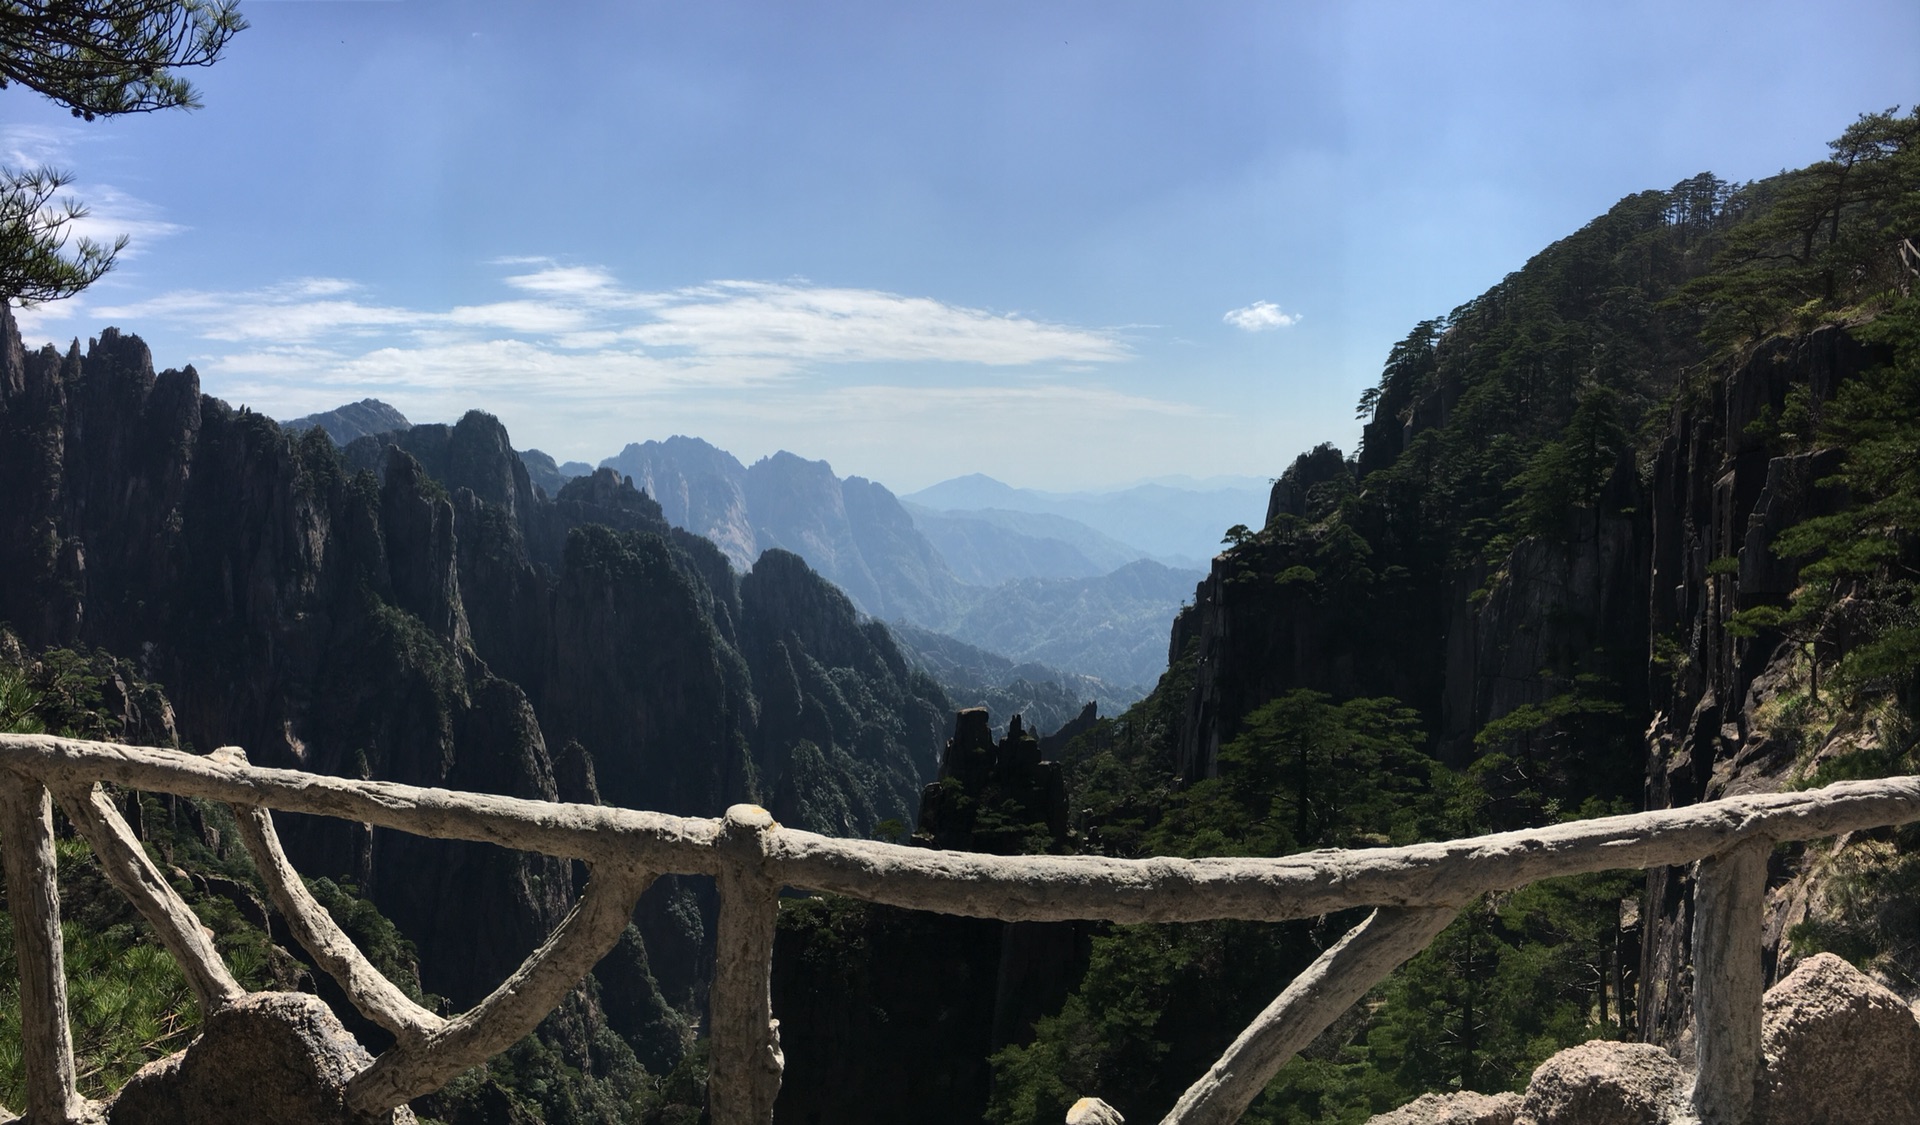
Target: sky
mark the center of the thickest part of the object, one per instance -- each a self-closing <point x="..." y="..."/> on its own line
<point x="1069" y="245"/>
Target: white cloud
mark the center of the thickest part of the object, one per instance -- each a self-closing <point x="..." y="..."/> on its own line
<point x="556" y="279"/>
<point x="803" y="323"/>
<point x="787" y="326"/>
<point x="111" y="212"/>
<point x="1261" y="316"/>
<point x="574" y="361"/>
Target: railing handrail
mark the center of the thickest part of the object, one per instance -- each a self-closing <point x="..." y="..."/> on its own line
<point x="1418" y="888"/>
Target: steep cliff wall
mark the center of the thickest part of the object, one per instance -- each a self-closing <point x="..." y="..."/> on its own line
<point x="1583" y="659"/>
<point x="412" y="609"/>
<point x="1721" y="492"/>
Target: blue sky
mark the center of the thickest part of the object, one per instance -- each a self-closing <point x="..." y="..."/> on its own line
<point x="1065" y="244"/>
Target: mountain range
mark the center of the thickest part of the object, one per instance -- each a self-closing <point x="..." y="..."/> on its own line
<point x="1033" y="587"/>
<point x="410" y="608"/>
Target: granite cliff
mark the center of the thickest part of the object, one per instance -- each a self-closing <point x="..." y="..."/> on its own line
<point x="412" y="609"/>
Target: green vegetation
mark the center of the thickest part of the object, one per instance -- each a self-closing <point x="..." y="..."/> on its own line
<point x="1528" y="416"/>
<point x="1510" y="982"/>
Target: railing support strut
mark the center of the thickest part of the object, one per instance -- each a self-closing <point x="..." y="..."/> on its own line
<point x="33" y="898"/>
<point x="127" y="867"/>
<point x="1315" y="998"/>
<point x="1729" y="894"/>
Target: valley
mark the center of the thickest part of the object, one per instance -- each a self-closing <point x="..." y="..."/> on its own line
<point x="1631" y="530"/>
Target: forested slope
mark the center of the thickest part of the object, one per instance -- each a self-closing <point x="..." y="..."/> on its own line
<point x="1632" y="528"/>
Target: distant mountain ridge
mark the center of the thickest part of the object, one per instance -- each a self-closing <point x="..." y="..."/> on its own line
<point x="1180" y="526"/>
<point x="853" y="531"/>
<point x="354" y="420"/>
<point x="1028" y="584"/>
<point x="1019" y="583"/>
<point x="988" y="546"/>
<point x="1047" y="699"/>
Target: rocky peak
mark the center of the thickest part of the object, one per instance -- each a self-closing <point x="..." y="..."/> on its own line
<point x="993" y="797"/>
<point x="345" y="424"/>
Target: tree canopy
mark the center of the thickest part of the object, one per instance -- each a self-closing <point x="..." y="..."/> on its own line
<point x="99" y="58"/>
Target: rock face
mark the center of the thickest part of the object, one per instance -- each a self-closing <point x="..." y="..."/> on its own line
<point x="275" y="1056"/>
<point x="1718" y="494"/>
<point x="1840" y="1049"/>
<point x="1464" y="1108"/>
<point x="410" y="609"/>
<point x="853" y="531"/>
<point x="1606" y="1083"/>
<point x="1615" y="627"/>
<point x="1093" y="1111"/>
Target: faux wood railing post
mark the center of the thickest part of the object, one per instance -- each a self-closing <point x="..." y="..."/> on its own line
<point x="744" y="1060"/>
<point x="33" y="898"/>
<point x="1729" y="893"/>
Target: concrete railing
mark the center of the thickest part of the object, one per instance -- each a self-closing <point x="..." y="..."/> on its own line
<point x="1416" y="891"/>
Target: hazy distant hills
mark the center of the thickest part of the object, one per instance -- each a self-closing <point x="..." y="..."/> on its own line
<point x="852" y="531"/>
<point x="988" y="546"/>
<point x="1045" y="697"/>
<point x="1113" y="625"/>
<point x="1181" y="525"/>
<point x="1031" y="586"/>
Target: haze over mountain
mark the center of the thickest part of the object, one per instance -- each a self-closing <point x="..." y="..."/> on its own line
<point x="987" y="546"/>
<point x="1177" y="525"/>
<point x="1028" y="586"/>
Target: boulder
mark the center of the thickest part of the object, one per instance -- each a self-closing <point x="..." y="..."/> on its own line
<point x="273" y="1056"/>
<point x="1093" y="1111"/>
<point x="1839" y="1048"/>
<point x="1463" y="1108"/>
<point x="1606" y="1083"/>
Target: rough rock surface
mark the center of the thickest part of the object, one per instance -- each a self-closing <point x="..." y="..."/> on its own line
<point x="1093" y="1111"/>
<point x="1605" y="1083"/>
<point x="274" y="1056"/>
<point x="1464" y="1108"/>
<point x="1839" y="1048"/>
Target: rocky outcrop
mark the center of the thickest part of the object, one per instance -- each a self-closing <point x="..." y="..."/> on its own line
<point x="1840" y="1048"/>
<point x="996" y="798"/>
<point x="1463" y="1108"/>
<point x="1320" y="468"/>
<point x="273" y="1056"/>
<point x="1093" y="1111"/>
<point x="546" y="475"/>
<point x="1605" y="1083"/>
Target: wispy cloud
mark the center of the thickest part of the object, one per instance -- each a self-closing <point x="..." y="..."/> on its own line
<point x="1261" y="316"/>
<point x="111" y="212"/>
<point x="759" y="326"/>
<point x="571" y="355"/>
